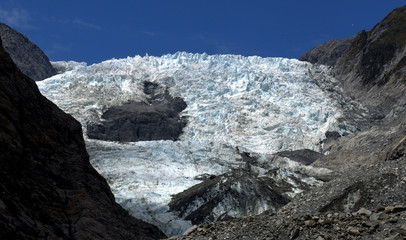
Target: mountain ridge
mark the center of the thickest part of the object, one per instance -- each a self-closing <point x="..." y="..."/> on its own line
<point x="372" y="68"/>
<point x="48" y="189"/>
<point x="29" y="58"/>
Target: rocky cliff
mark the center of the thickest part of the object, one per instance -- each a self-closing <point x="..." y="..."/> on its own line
<point x="327" y="53"/>
<point x="26" y="55"/>
<point x="48" y="189"/>
<point x="371" y="66"/>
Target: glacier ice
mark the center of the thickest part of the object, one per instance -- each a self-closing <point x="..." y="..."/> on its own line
<point x="260" y="105"/>
<point x="144" y="175"/>
<point x="62" y="66"/>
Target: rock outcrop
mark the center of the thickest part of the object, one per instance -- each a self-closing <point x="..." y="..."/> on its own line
<point x="260" y="186"/>
<point x="156" y="119"/>
<point x="234" y="194"/>
<point x="327" y="53"/>
<point x="304" y="156"/>
<point x="372" y="68"/>
<point x="26" y="55"/>
<point x="48" y="189"/>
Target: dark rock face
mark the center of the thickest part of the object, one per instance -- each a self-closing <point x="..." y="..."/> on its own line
<point x="327" y="53"/>
<point x="48" y="189"/>
<point x="234" y="194"/>
<point x="157" y="119"/>
<point x="25" y="54"/>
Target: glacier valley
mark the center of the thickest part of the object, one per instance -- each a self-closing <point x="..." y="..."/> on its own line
<point x="235" y="104"/>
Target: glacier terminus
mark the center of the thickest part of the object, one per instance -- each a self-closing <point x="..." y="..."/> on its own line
<point x="235" y="105"/>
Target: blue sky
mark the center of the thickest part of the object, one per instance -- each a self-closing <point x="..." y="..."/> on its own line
<point x="93" y="31"/>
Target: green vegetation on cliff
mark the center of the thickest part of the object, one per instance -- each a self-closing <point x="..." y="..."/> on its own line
<point x="378" y="48"/>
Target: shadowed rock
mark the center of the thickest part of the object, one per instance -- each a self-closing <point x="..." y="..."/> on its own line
<point x="25" y="54"/>
<point x="156" y="119"/>
<point x="48" y="189"/>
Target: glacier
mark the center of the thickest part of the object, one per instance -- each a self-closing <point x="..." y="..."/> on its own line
<point x="234" y="104"/>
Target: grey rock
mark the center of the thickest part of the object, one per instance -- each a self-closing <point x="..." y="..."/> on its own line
<point x="397" y="151"/>
<point x="157" y="119"/>
<point x="353" y="231"/>
<point x="371" y="224"/>
<point x="394" y="209"/>
<point x="26" y="55"/>
<point x="396" y="236"/>
<point x="383" y="216"/>
<point x="327" y="53"/>
<point x="364" y="211"/>
<point x="235" y="194"/>
<point x="400" y="229"/>
<point x="374" y="217"/>
<point x="305" y="156"/>
<point x="372" y="67"/>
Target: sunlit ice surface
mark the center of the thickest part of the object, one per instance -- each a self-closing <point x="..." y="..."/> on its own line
<point x="235" y="104"/>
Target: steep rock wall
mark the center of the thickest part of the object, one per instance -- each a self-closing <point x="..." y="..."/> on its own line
<point x="372" y="68"/>
<point x="29" y="58"/>
<point x="48" y="189"/>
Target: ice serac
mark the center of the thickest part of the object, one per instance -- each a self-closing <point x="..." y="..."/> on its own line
<point x="62" y="66"/>
<point x="234" y="104"/>
<point x="48" y="189"/>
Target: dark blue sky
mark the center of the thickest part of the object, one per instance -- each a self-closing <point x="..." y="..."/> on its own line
<point x="93" y="31"/>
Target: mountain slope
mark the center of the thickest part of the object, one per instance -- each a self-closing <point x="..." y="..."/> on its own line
<point x="327" y="53"/>
<point x="25" y="54"/>
<point x="372" y="69"/>
<point x="48" y="189"/>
